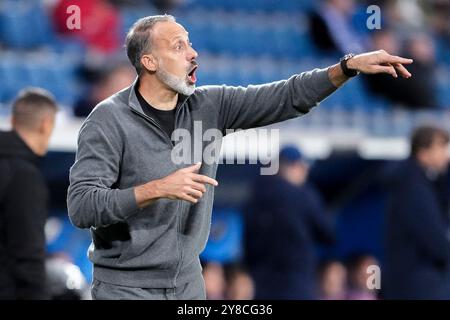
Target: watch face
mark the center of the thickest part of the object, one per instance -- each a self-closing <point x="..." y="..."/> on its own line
<point x="348" y="72"/>
<point x="347" y="56"/>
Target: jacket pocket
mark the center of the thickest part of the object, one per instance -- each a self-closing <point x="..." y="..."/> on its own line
<point x="151" y="247"/>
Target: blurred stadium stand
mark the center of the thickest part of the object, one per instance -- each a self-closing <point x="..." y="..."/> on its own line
<point x="262" y="43"/>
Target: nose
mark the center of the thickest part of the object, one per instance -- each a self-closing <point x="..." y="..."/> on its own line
<point x="192" y="54"/>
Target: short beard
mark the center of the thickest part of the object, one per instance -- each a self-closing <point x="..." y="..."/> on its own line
<point x="175" y="83"/>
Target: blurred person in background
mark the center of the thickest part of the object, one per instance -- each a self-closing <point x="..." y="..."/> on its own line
<point x="417" y="225"/>
<point x="401" y="16"/>
<point x="107" y="82"/>
<point x="419" y="92"/>
<point x="215" y="283"/>
<point x="358" y="275"/>
<point x="422" y="91"/>
<point x="284" y="221"/>
<point x="332" y="280"/>
<point x="165" y="6"/>
<point x="239" y="284"/>
<point x="332" y="30"/>
<point x="439" y="16"/>
<point x="230" y="282"/>
<point x="65" y="280"/>
<point x="24" y="196"/>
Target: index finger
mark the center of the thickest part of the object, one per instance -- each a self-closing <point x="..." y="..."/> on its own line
<point x="204" y="179"/>
<point x="397" y="59"/>
<point x="193" y="168"/>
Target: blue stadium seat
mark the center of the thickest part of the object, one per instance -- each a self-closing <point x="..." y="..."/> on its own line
<point x="248" y="34"/>
<point x="253" y="5"/>
<point x="24" y="24"/>
<point x="59" y="78"/>
<point x="131" y="15"/>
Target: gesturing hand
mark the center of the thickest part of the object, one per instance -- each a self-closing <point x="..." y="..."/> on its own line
<point x="185" y="184"/>
<point x="380" y="62"/>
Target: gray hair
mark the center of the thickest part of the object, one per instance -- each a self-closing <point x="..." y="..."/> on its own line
<point x="138" y="41"/>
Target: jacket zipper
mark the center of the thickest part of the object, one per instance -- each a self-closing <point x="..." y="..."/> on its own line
<point x="180" y="204"/>
<point x="157" y="125"/>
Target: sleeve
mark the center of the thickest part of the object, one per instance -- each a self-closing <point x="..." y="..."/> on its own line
<point x="92" y="199"/>
<point x="260" y="105"/>
<point x="26" y="213"/>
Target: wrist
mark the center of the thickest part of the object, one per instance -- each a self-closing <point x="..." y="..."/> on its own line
<point x="348" y="65"/>
<point x="351" y="64"/>
<point x="336" y="75"/>
<point x="154" y="190"/>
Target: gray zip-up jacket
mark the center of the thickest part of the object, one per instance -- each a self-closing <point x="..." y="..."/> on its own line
<point x="119" y="148"/>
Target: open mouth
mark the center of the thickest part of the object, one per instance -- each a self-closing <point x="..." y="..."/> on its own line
<point x="191" y="75"/>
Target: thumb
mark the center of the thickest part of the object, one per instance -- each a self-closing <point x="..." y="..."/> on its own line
<point x="194" y="168"/>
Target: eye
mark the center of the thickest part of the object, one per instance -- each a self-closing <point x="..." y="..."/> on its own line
<point x="179" y="46"/>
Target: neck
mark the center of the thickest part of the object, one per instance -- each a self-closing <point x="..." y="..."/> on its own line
<point x="31" y="140"/>
<point x="156" y="93"/>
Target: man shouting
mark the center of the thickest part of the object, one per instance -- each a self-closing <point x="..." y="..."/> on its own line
<point x="149" y="215"/>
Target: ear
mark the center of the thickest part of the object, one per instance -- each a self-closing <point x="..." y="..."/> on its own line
<point x="149" y="62"/>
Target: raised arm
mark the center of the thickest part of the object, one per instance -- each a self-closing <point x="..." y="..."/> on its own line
<point x="259" y="105"/>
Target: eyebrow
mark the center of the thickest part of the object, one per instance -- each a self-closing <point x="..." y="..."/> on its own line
<point x="179" y="38"/>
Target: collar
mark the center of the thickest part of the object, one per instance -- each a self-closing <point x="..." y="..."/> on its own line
<point x="12" y="145"/>
<point x="133" y="101"/>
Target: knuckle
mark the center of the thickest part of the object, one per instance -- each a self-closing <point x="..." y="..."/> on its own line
<point x="186" y="180"/>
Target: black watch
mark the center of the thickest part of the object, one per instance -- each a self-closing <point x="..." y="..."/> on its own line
<point x="348" y="72"/>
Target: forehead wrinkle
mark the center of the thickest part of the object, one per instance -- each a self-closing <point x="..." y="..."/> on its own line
<point x="169" y="34"/>
<point x="185" y="35"/>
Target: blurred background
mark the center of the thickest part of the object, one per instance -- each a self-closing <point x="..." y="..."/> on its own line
<point x="351" y="140"/>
